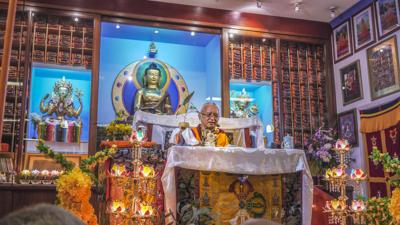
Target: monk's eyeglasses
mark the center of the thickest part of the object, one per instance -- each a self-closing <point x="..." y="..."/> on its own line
<point x="209" y="115"/>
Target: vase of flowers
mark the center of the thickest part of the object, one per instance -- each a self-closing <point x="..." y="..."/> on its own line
<point x="119" y="129"/>
<point x="320" y="155"/>
<point x="24" y="177"/>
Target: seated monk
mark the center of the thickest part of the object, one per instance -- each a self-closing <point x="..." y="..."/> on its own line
<point x="206" y="133"/>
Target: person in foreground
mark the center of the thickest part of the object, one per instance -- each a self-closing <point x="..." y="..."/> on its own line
<point x="207" y="133"/>
<point x="42" y="214"/>
<point x="259" y="222"/>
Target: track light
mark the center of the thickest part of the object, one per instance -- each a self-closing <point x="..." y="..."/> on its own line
<point x="332" y="11"/>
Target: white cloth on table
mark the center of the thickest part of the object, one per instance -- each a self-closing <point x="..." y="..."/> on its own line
<point x="238" y="160"/>
<point x="165" y="123"/>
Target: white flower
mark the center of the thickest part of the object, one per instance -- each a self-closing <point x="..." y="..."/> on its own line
<point x="328" y="146"/>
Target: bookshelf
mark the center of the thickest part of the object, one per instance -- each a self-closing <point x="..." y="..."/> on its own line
<point x="16" y="75"/>
<point x="62" y="40"/>
<point x="297" y="78"/>
<point x="304" y="103"/>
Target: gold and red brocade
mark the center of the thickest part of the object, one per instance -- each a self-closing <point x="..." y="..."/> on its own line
<point x="119" y="144"/>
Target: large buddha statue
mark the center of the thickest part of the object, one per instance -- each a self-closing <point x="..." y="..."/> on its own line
<point x="150" y="98"/>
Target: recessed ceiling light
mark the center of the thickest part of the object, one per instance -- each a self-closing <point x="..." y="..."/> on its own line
<point x="192" y="33"/>
<point x="263" y="40"/>
<point x="76" y="19"/>
<point x="156" y="31"/>
<point x="231" y="35"/>
<point x="33" y="14"/>
<point x="117" y="26"/>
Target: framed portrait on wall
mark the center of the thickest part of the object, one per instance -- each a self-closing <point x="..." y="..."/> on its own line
<point x="342" y="41"/>
<point x="383" y="68"/>
<point x="351" y="84"/>
<point x="387" y="13"/>
<point x="363" y="28"/>
<point x="347" y="122"/>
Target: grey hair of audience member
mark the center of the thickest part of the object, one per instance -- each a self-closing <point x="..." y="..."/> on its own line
<point x="259" y="222"/>
<point x="42" y="214"/>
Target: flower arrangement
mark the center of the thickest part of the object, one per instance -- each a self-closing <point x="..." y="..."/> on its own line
<point x="73" y="193"/>
<point x="119" y="128"/>
<point x="74" y="186"/>
<point x="320" y="154"/>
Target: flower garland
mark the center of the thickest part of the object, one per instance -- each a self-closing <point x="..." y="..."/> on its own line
<point x="378" y="211"/>
<point x="73" y="193"/>
<point x="394" y="206"/>
<point x="74" y="187"/>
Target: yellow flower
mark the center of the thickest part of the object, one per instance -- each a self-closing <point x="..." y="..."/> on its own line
<point x="73" y="192"/>
<point x="394" y="206"/>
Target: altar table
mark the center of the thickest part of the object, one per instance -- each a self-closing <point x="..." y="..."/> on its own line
<point x="238" y="160"/>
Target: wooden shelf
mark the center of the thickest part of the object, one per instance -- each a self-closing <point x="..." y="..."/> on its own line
<point x="69" y="41"/>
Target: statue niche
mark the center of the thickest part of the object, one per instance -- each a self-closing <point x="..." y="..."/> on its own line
<point x="56" y="123"/>
<point x="150" y="98"/>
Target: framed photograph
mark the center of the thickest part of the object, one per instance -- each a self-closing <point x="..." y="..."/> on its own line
<point x="387" y="13"/>
<point x="342" y="41"/>
<point x="383" y="68"/>
<point x="351" y="84"/>
<point x="347" y="122"/>
<point x="41" y="162"/>
<point x="363" y="28"/>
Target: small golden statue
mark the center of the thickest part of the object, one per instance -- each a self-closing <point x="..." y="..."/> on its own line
<point x="61" y="102"/>
<point x="150" y="98"/>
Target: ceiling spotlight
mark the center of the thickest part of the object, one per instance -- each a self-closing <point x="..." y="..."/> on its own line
<point x="33" y="14"/>
<point x="192" y="33"/>
<point x="76" y="19"/>
<point x="332" y="11"/>
<point x="297" y="7"/>
<point x="263" y="40"/>
<point x="117" y="26"/>
<point x="231" y="35"/>
<point x="156" y="31"/>
<point x="259" y="3"/>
